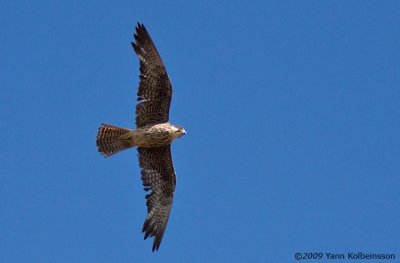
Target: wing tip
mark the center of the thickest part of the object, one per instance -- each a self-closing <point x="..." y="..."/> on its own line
<point x="140" y="29"/>
<point x="139" y="25"/>
<point x="140" y="37"/>
<point x="156" y="245"/>
<point x="149" y="231"/>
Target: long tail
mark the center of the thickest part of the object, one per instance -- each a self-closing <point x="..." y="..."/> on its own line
<point x="109" y="140"/>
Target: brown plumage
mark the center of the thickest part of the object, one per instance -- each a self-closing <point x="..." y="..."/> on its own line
<point x="108" y="141"/>
<point x="153" y="136"/>
<point x="155" y="90"/>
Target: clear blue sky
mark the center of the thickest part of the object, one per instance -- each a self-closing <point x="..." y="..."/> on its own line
<point x="292" y="116"/>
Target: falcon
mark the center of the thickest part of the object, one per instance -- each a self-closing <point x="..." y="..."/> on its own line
<point x="152" y="137"/>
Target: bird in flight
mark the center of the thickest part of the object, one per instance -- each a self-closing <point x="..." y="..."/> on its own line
<point x="152" y="137"/>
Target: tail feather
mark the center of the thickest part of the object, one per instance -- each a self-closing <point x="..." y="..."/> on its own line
<point x="108" y="140"/>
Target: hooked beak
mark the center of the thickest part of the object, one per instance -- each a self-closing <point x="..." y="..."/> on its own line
<point x="183" y="131"/>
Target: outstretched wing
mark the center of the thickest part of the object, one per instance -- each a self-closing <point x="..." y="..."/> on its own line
<point x="158" y="176"/>
<point x="155" y="90"/>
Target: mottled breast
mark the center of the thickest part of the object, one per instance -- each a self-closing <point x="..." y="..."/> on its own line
<point x="154" y="135"/>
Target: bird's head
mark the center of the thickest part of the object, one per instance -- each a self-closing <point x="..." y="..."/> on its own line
<point x="178" y="131"/>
